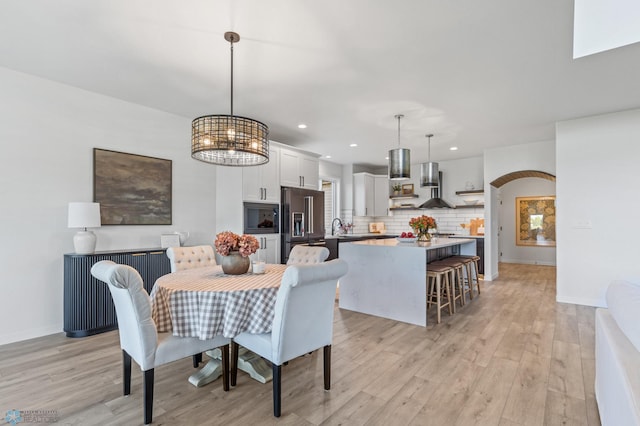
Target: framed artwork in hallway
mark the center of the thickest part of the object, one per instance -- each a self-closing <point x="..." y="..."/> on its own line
<point x="536" y="221"/>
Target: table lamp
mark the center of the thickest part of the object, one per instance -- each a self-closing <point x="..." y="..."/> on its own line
<point x="84" y="215"/>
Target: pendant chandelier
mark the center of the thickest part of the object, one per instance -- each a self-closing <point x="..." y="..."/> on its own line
<point x="229" y="140"/>
<point x="429" y="171"/>
<point x="399" y="159"/>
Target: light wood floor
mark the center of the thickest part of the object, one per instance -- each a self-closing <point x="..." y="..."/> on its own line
<point x="512" y="356"/>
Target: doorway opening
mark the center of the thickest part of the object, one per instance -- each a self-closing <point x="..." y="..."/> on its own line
<point x="331" y="201"/>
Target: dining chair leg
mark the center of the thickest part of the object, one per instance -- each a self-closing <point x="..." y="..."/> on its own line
<point x="327" y="367"/>
<point x="234" y="363"/>
<point x="126" y="373"/>
<point x="148" y="396"/>
<point x="277" y="372"/>
<point x="225" y="367"/>
<point x="197" y="359"/>
<point x="438" y="297"/>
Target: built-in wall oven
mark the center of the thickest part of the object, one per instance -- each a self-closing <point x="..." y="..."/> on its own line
<point x="261" y="218"/>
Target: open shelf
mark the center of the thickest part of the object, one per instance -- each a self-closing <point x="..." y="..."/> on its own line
<point x="472" y="192"/>
<point x="470" y="206"/>
<point x="404" y="208"/>
<point x="401" y="196"/>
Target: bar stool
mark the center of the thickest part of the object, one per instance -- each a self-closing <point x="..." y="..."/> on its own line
<point x="437" y="284"/>
<point x="456" y="279"/>
<point x="473" y="277"/>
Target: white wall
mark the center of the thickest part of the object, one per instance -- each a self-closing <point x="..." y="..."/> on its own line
<point x="598" y="205"/>
<point x="47" y="135"/>
<point x="499" y="162"/>
<point x="511" y="252"/>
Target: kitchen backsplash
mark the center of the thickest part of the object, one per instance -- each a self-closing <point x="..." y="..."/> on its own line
<point x="448" y="220"/>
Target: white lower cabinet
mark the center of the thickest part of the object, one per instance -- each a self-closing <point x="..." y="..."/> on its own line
<point x="269" y="250"/>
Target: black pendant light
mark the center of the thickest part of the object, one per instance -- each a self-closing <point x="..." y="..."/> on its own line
<point x="429" y="171"/>
<point x="229" y="140"/>
<point x="399" y="159"/>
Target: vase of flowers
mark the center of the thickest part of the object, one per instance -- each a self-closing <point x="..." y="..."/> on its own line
<point x="421" y="226"/>
<point x="235" y="250"/>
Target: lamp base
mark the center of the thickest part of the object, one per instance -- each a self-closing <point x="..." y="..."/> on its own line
<point x="84" y="242"/>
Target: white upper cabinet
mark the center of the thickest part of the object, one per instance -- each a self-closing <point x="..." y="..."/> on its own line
<point x="298" y="169"/>
<point x="262" y="183"/>
<point x="381" y="195"/>
<point x="370" y="195"/>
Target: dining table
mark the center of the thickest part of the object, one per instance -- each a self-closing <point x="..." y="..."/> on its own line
<point x="205" y="302"/>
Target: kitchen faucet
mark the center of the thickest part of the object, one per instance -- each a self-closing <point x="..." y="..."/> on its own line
<point x="333" y="227"/>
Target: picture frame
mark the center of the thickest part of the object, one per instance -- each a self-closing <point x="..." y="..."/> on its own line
<point x="536" y="221"/>
<point x="407" y="188"/>
<point x="132" y="189"/>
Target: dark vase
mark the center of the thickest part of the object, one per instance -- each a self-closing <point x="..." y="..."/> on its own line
<point x="235" y="263"/>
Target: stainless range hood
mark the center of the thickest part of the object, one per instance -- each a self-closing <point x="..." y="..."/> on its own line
<point x="436" y="202"/>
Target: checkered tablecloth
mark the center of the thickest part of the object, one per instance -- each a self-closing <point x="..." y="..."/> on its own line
<point x="204" y="302"/>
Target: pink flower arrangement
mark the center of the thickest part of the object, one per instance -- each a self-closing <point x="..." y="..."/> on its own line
<point x="227" y="242"/>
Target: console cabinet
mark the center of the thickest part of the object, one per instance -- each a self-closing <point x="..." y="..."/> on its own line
<point x="88" y="307"/>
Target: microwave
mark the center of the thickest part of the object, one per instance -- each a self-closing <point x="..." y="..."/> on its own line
<point x="261" y="218"/>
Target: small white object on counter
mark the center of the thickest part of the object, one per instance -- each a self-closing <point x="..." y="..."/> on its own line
<point x="258" y="267"/>
<point x="407" y="240"/>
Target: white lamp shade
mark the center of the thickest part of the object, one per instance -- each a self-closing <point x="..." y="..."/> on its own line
<point x="84" y="215"/>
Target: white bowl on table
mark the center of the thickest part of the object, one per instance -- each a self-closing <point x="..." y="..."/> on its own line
<point x="407" y="240"/>
<point x="470" y="202"/>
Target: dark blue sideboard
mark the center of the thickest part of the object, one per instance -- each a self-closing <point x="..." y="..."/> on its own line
<point x="88" y="307"/>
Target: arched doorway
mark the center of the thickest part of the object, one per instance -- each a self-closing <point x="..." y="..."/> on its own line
<point x="497" y="183"/>
<point x="506" y="191"/>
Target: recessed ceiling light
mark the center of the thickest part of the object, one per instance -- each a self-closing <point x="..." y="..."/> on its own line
<point x="386" y="158"/>
<point x="453" y="148"/>
<point x="327" y="156"/>
<point x="353" y="145"/>
<point x="302" y="126"/>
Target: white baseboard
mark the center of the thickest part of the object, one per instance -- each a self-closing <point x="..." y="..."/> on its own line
<point x="598" y="303"/>
<point x="528" y="262"/>
<point x="28" y="334"/>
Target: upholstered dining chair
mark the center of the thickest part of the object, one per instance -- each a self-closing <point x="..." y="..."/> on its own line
<point x="301" y="255"/>
<point x="302" y="323"/>
<point x="182" y="258"/>
<point x="139" y="338"/>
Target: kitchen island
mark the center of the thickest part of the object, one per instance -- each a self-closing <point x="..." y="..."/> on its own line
<point x="388" y="279"/>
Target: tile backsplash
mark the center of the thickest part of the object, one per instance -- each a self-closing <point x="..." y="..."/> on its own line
<point x="448" y="220"/>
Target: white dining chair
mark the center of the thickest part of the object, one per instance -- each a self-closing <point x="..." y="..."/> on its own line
<point x="182" y="258"/>
<point x="139" y="338"/>
<point x="301" y="255"/>
<point x="302" y="323"/>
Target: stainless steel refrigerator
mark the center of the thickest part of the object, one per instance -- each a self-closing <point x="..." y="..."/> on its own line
<point x="302" y="219"/>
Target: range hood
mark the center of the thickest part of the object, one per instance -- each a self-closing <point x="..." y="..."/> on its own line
<point x="436" y="202"/>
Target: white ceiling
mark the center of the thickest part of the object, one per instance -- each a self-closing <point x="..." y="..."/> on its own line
<point x="476" y="74"/>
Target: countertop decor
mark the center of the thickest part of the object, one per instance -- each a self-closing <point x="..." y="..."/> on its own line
<point x="235" y="250"/>
<point x="421" y="226"/>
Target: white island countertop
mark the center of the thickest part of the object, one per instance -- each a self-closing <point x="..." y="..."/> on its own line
<point x="388" y="278"/>
<point x="433" y="244"/>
